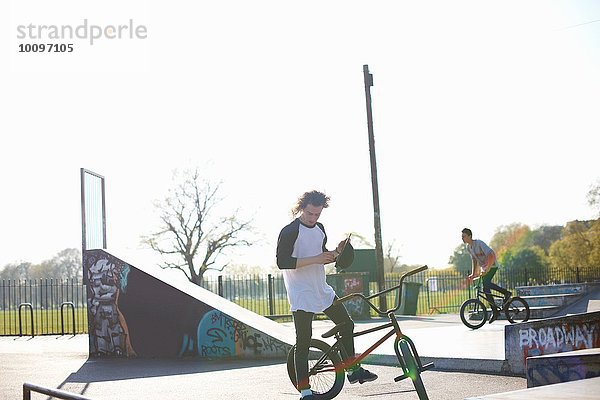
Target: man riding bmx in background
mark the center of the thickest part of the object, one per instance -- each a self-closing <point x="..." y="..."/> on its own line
<point x="484" y="261"/>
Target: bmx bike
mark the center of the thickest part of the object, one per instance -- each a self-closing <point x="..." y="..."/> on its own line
<point x="326" y="366"/>
<point x="474" y="312"/>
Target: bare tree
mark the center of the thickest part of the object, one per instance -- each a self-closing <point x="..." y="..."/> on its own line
<point x="391" y="256"/>
<point x="192" y="234"/>
<point x="593" y="196"/>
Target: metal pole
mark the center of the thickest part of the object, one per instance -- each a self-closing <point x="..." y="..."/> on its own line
<point x="61" y="394"/>
<point x="103" y="213"/>
<point x="376" y="219"/>
<point x="83" y="225"/>
<point x="271" y="295"/>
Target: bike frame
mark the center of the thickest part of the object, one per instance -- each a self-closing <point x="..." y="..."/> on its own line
<point x="393" y="324"/>
<point x="395" y="330"/>
<point x="481" y="294"/>
<point x="335" y="359"/>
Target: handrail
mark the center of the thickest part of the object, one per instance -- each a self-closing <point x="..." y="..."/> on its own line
<point x="61" y="394"/>
<point x="398" y="298"/>
<point x="62" y="319"/>
<point x="20" y="322"/>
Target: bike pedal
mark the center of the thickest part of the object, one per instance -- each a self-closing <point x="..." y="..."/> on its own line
<point x="426" y="367"/>
<point x="399" y="378"/>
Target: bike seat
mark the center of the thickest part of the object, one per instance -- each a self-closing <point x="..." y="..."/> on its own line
<point x="333" y="330"/>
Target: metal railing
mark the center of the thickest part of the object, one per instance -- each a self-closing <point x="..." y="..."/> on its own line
<point x="28" y="305"/>
<point x="62" y="316"/>
<point x="441" y="291"/>
<point x="46" y="301"/>
<point x="60" y="394"/>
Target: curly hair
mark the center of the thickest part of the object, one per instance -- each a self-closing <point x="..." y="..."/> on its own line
<point x="314" y="198"/>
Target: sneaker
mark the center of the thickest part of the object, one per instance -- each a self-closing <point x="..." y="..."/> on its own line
<point x="361" y="376"/>
<point x="495" y="315"/>
<point x="311" y="396"/>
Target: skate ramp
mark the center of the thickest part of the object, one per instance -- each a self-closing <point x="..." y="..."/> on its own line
<point x="135" y="312"/>
<point x="550" y="336"/>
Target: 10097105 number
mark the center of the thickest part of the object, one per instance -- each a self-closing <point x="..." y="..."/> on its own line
<point x="45" y="48"/>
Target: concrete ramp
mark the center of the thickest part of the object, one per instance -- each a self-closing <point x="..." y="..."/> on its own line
<point x="585" y="389"/>
<point x="550" y="336"/>
<point x="563" y="367"/>
<point x="136" y="313"/>
<point x="589" y="302"/>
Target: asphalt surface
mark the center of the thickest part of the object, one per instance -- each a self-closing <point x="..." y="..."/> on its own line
<point x="62" y="362"/>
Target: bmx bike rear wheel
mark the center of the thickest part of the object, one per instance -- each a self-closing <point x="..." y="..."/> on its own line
<point x="517" y="310"/>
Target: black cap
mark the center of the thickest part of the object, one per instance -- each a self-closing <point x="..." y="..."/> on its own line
<point x="346" y="257"/>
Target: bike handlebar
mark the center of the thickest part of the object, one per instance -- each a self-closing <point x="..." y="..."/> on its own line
<point x="477" y="281"/>
<point x="398" y="298"/>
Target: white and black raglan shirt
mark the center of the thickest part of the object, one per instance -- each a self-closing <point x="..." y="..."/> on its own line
<point x="306" y="287"/>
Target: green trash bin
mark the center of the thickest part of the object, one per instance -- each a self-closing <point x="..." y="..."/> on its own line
<point x="410" y="297"/>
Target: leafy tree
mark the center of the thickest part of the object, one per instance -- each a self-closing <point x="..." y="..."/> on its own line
<point x="65" y="264"/>
<point x="544" y="236"/>
<point x="579" y="247"/>
<point x="525" y="266"/>
<point x="193" y="232"/>
<point x="593" y="196"/>
<point x="509" y="237"/>
<point x="16" y="271"/>
<point x="461" y="260"/>
<point x="594" y="238"/>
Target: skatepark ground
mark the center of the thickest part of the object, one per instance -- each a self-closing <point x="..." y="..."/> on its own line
<point x="62" y="362"/>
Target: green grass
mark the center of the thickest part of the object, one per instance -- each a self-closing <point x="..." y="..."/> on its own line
<point x="448" y="301"/>
<point x="45" y="322"/>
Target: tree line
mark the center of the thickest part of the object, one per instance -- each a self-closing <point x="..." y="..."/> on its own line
<point x="65" y="264"/>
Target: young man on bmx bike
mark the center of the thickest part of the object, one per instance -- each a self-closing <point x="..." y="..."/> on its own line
<point x="302" y="255"/>
<point x="484" y="259"/>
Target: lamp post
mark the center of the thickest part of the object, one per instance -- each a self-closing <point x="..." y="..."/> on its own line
<point x="376" y="219"/>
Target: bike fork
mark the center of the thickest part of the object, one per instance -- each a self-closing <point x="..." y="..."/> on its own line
<point x="420" y="366"/>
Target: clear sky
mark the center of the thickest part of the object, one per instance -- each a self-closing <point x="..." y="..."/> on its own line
<point x="485" y="114"/>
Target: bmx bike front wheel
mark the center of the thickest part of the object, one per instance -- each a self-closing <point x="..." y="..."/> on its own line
<point x="412" y="369"/>
<point x="473" y="313"/>
<point x="325" y="370"/>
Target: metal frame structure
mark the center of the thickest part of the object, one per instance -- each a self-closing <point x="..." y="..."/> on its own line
<point x="85" y="198"/>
